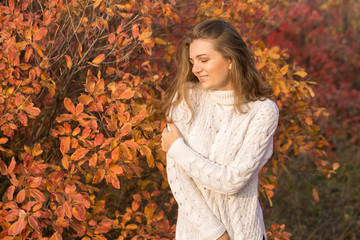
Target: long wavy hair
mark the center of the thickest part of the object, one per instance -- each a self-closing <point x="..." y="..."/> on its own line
<point x="247" y="82"/>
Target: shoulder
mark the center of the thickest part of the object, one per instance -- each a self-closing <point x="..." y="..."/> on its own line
<point x="266" y="105"/>
<point x="264" y="111"/>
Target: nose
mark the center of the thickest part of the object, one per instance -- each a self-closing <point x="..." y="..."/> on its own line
<point x="196" y="68"/>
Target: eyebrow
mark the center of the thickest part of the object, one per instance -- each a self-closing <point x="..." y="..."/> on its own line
<point x="198" y="56"/>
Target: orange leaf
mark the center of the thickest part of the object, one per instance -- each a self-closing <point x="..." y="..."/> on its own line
<point x="131" y="226"/>
<point x="96" y="3"/>
<point x="33" y="222"/>
<point x="10" y="193"/>
<point x="56" y="236"/>
<point x="20" y="197"/>
<point x="135" y="30"/>
<point x="69" y="105"/>
<point x="99" y="176"/>
<point x="135" y="205"/>
<point x="40" y="34"/>
<point x="116" y="169"/>
<point x="315" y="195"/>
<point x="127" y="94"/>
<point x="17" y="227"/>
<point x="79" y="212"/>
<point x="79" y="154"/>
<point x="85" y="99"/>
<point x="111" y="38"/>
<point x="39" y="196"/>
<point x="3" y="140"/>
<point x="28" y="54"/>
<point x="11" y="166"/>
<point x="115" y="154"/>
<point x="34" y="111"/>
<point x="125" y="129"/>
<point x="99" y="59"/>
<point x="37" y="150"/>
<point x="23" y="118"/>
<point x="67" y="208"/>
<point x="70" y="188"/>
<point x="65" y="162"/>
<point x="93" y="160"/>
<point x="269" y="186"/>
<point x="68" y="61"/>
<point x="35" y="182"/>
<point x="335" y="166"/>
<point x="126" y="151"/>
<point x="64" y="144"/>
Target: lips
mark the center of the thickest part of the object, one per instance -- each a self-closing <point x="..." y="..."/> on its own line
<point x="202" y="78"/>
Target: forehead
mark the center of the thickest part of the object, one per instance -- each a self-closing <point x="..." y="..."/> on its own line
<point x="201" y="47"/>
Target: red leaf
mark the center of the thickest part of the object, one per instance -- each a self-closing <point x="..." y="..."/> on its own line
<point x="10" y="193"/>
<point x="99" y="59"/>
<point x="40" y="34"/>
<point x="68" y="61"/>
<point x="3" y="167"/>
<point x="17" y="227"/>
<point x="79" y="154"/>
<point x="34" y="111"/>
<point x="33" y="222"/>
<point x="20" y="197"/>
<point x="11" y="5"/>
<point x="69" y="105"/>
<point x="64" y="144"/>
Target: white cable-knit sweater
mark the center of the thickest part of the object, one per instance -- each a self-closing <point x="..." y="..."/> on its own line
<point x="213" y="169"/>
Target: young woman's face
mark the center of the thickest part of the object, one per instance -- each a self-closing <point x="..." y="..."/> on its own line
<point x="209" y="66"/>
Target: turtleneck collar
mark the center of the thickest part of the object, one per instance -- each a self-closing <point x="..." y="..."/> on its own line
<point x="222" y="97"/>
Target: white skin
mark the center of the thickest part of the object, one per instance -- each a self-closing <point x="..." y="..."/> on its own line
<point x="212" y="70"/>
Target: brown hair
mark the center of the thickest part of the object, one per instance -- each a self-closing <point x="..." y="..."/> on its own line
<point x="246" y="81"/>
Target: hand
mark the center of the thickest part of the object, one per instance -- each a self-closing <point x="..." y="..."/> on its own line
<point x="225" y="236"/>
<point x="169" y="137"/>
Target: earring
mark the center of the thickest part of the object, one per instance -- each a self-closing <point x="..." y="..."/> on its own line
<point x="230" y="66"/>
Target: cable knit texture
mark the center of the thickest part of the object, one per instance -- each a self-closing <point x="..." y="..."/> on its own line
<point x="213" y="169"/>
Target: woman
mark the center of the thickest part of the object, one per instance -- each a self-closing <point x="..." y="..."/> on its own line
<point x="219" y="136"/>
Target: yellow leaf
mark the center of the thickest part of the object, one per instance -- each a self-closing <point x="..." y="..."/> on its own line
<point x="284" y="70"/>
<point x="301" y="74"/>
<point x="160" y="41"/>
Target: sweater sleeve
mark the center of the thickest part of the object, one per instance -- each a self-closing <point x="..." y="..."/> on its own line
<point x="192" y="203"/>
<point x="256" y="149"/>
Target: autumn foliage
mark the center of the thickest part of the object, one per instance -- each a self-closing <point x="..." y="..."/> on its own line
<point x="81" y="89"/>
